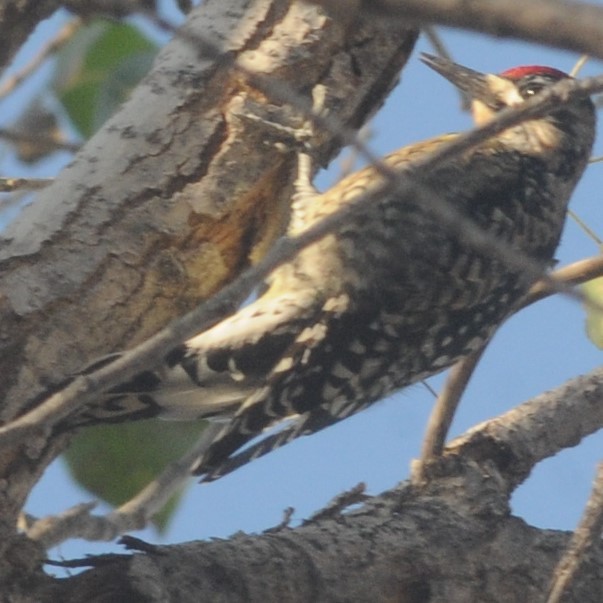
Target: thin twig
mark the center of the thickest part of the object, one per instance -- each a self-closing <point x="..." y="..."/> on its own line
<point x="48" y="142"/>
<point x="154" y="496"/>
<point x="443" y="412"/>
<point x="574" y="274"/>
<point x="349" y="160"/>
<point x="585" y="228"/>
<point x="11" y="185"/>
<point x="586" y="535"/>
<point x="437" y="43"/>
<point x="579" y="65"/>
<point x="53" y="527"/>
<point x="430" y="389"/>
<point x="60" y="39"/>
<point x="283" y="523"/>
<point x="339" y="503"/>
<point x="472" y="234"/>
<point x="407" y="182"/>
<point x="447" y="402"/>
<point x="132" y="515"/>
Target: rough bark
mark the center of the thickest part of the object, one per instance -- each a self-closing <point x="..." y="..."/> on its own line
<point x="409" y="551"/>
<point x="170" y="199"/>
<point x="449" y="539"/>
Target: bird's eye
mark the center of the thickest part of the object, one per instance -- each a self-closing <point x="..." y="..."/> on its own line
<point x="531" y="89"/>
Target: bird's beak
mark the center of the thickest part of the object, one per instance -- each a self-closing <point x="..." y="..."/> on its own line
<point x="477" y="86"/>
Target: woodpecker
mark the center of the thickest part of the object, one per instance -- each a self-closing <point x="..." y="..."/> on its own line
<point x="392" y="296"/>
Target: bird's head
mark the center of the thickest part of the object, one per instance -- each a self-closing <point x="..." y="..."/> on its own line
<point x="490" y="93"/>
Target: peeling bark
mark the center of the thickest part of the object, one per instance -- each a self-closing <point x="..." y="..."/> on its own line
<point x="172" y="198"/>
<point x="169" y="200"/>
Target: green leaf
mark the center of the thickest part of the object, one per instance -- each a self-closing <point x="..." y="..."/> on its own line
<point x="96" y="71"/>
<point x="114" y="462"/>
<point x="593" y="290"/>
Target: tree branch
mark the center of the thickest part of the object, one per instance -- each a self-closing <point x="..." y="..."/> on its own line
<point x="132" y="515"/>
<point x="584" y="539"/>
<point x="536" y="430"/>
<point x="570" y="25"/>
<point x="65" y="34"/>
<point x="136" y="238"/>
<point x="412" y="543"/>
<point x="447" y="402"/>
<point x="443" y="412"/>
<point x="17" y="20"/>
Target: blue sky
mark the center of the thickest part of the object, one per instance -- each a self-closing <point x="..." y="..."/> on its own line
<point x="534" y="351"/>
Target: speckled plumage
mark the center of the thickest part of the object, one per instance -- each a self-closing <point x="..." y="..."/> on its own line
<point x="390" y="298"/>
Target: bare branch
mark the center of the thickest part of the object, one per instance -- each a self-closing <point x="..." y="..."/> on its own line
<point x="574" y="274"/>
<point x="414" y="532"/>
<point x="11" y="185"/>
<point x="342" y="501"/>
<point x="443" y="412"/>
<point x="447" y="402"/>
<point x="543" y="21"/>
<point x="408" y="182"/>
<point x="48" y="142"/>
<point x="589" y="232"/>
<point x="58" y="41"/>
<point x="586" y="535"/>
<point x="535" y="430"/>
<point x="17" y="21"/>
<point x="132" y="515"/>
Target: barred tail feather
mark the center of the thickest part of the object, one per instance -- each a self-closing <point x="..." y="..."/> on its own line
<point x="306" y="425"/>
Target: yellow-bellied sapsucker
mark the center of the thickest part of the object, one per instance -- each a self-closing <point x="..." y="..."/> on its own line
<point x="393" y="295"/>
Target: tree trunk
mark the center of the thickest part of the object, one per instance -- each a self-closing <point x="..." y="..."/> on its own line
<point x="171" y="199"/>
